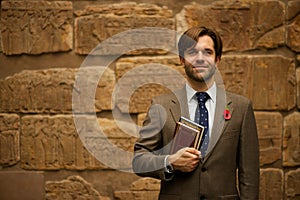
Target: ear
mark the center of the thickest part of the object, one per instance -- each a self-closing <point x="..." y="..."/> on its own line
<point x="218" y="59"/>
<point x="181" y="60"/>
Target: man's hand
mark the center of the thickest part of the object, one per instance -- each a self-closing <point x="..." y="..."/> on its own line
<point x="185" y="160"/>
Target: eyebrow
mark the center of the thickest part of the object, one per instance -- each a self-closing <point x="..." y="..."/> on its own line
<point x="205" y="49"/>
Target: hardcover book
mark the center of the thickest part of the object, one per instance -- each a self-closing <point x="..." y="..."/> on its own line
<point x="187" y="134"/>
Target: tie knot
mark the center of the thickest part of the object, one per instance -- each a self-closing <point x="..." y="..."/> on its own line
<point x="202" y="96"/>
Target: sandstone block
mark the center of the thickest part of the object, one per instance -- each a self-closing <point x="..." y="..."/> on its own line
<point x="271" y="184"/>
<point x="0" y="39"/>
<point x="95" y="24"/>
<point x="53" y="142"/>
<point x="292" y="9"/>
<point x="147" y="195"/>
<point x="292" y="28"/>
<point x="143" y="188"/>
<point x="292" y="183"/>
<point x="139" y="79"/>
<point x="104" y="181"/>
<point x="50" y="91"/>
<point x="9" y="139"/>
<point x="291" y="138"/>
<point x="35" y="27"/>
<point x="70" y="188"/>
<point x="124" y="195"/>
<point x="109" y="141"/>
<point x="15" y="185"/>
<point x="269" y="81"/>
<point x="136" y="195"/>
<point x="93" y="89"/>
<point x="255" y="23"/>
<point x="269" y="126"/>
<point x="37" y="91"/>
<point x="298" y="86"/>
<point x="141" y="118"/>
<point x="146" y="184"/>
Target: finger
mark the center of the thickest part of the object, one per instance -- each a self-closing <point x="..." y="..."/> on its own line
<point x="190" y="167"/>
<point x="193" y="154"/>
<point x="193" y="151"/>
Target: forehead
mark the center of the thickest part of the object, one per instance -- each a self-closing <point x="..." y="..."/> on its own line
<point x="205" y="42"/>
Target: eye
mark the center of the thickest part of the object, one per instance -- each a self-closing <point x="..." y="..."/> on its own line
<point x="192" y="52"/>
<point x="208" y="52"/>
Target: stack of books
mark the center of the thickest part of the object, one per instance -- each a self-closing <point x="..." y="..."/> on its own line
<point x="187" y="134"/>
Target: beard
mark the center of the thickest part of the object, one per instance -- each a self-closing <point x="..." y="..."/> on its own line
<point x="209" y="73"/>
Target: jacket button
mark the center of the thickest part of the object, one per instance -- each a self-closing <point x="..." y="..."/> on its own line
<point x="203" y="169"/>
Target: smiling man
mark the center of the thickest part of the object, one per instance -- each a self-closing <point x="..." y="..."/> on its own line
<point x="226" y="165"/>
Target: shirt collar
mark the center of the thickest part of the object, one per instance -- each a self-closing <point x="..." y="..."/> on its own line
<point x="212" y="92"/>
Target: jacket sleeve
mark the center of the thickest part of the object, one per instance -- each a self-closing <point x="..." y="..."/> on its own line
<point x="248" y="159"/>
<point x="149" y="150"/>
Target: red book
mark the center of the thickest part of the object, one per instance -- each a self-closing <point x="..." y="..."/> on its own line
<point x="187" y="134"/>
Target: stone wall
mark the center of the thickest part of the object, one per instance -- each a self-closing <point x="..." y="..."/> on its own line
<point x="46" y="45"/>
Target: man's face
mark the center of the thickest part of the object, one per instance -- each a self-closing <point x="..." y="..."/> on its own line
<point x="199" y="61"/>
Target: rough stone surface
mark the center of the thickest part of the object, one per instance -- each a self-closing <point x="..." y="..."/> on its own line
<point x="96" y="24"/>
<point x="141" y="78"/>
<point x="104" y="181"/>
<point x="37" y="91"/>
<point x="144" y="188"/>
<point x="269" y="126"/>
<point x="141" y="118"/>
<point x="298" y="87"/>
<point x="9" y="139"/>
<point x="291" y="138"/>
<point x="35" y="27"/>
<point x="292" y="186"/>
<point x="74" y="187"/>
<point x="93" y="84"/>
<point x="53" y="142"/>
<point x="293" y="26"/>
<point x="149" y="184"/>
<point x="50" y="91"/>
<point x="271" y="184"/>
<point x="268" y="80"/>
<point x="259" y="23"/>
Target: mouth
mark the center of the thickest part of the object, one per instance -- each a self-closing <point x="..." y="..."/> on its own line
<point x="202" y="67"/>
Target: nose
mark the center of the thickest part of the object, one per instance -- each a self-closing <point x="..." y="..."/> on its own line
<point x="200" y="57"/>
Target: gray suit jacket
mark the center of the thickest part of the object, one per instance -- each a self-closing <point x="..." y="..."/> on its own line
<point x="230" y="169"/>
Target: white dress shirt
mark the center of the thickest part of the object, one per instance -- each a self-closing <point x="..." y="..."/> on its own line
<point x="210" y="103"/>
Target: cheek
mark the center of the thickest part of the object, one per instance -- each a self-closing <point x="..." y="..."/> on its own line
<point x="188" y="61"/>
<point x="209" y="59"/>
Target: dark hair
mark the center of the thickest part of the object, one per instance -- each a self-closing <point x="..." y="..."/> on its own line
<point x="190" y="38"/>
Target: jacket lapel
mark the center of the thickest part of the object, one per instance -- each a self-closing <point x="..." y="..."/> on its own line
<point x="220" y="124"/>
<point x="179" y="105"/>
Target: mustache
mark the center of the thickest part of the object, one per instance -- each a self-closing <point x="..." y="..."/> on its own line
<point x="204" y="65"/>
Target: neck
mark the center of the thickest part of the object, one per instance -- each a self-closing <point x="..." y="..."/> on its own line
<point x="201" y="86"/>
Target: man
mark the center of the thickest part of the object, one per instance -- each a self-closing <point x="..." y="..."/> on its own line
<point x="227" y="164"/>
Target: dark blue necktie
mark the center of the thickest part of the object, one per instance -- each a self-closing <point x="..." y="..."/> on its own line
<point x="201" y="117"/>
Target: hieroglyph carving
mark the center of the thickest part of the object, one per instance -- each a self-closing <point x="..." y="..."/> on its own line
<point x="53" y="142"/>
<point x="9" y="139"/>
<point x="96" y="24"/>
<point x="35" y="27"/>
